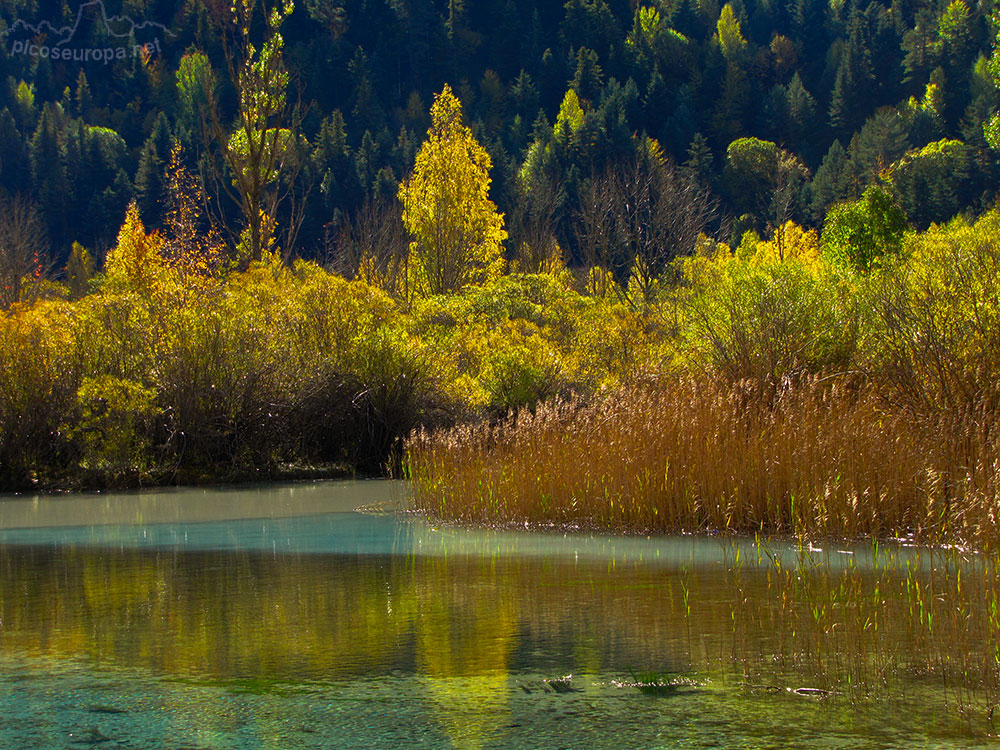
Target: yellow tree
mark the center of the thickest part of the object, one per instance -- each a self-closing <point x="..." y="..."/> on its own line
<point x="192" y="245"/>
<point x="730" y="36"/>
<point x="257" y="157"/>
<point x="456" y="229"/>
<point x="136" y="263"/>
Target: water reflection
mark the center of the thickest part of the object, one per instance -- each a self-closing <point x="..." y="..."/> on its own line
<point x="371" y="624"/>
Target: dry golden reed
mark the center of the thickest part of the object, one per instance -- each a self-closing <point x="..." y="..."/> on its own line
<point x="823" y="458"/>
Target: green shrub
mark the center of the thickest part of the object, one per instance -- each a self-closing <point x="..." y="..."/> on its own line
<point x="935" y="336"/>
<point x="858" y="234"/>
<point x="39" y="375"/>
<point x="112" y="425"/>
<point x="766" y="319"/>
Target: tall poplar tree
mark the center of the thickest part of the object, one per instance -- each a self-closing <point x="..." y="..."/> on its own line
<point x="456" y="229"/>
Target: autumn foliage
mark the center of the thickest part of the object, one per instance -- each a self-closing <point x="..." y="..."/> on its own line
<point x="457" y="231"/>
<point x="170" y="364"/>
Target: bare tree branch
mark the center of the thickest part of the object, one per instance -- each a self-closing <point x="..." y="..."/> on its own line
<point x="374" y="246"/>
<point x="635" y="218"/>
<point x="23" y="249"/>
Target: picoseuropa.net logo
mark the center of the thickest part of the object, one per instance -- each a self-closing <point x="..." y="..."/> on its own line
<point x="92" y="37"/>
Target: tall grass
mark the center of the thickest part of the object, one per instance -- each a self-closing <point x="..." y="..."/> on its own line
<point x="823" y="458"/>
<point x="888" y="621"/>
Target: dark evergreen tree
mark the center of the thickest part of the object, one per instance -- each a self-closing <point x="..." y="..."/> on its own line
<point x="809" y="26"/>
<point x="881" y="142"/>
<point x="775" y="117"/>
<point x="834" y="182"/>
<point x="49" y="177"/>
<point x="801" y="118"/>
<point x="700" y="159"/>
<point x="110" y="207"/>
<point x="958" y="53"/>
<point x="682" y="125"/>
<point x="656" y="103"/>
<point x="921" y="50"/>
<point x="83" y="99"/>
<point x="149" y="177"/>
<point x="523" y="98"/>
<point x="367" y="162"/>
<point x="590" y="23"/>
<point x="15" y="162"/>
<point x="729" y="116"/>
<point x="853" y="93"/>
<point x="588" y="78"/>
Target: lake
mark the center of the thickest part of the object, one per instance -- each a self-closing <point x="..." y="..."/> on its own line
<point x="284" y="617"/>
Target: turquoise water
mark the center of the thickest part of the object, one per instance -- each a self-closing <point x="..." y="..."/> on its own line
<point x="281" y="617"/>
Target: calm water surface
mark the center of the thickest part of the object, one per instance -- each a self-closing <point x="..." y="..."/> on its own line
<point x="282" y="617"/>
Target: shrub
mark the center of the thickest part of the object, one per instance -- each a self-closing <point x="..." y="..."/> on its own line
<point x="935" y="338"/>
<point x="765" y="319"/>
<point x="112" y="425"/>
<point x="39" y="375"/>
<point x="520" y="368"/>
<point x="858" y="234"/>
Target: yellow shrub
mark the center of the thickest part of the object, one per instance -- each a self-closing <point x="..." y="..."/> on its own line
<point x="111" y="424"/>
<point x="136" y="262"/>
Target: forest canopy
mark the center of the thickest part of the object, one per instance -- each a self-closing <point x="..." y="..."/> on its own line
<point x="298" y="118"/>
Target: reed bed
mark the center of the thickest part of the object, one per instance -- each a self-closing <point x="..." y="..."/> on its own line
<point x="824" y="458"/>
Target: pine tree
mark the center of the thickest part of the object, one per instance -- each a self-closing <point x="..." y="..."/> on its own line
<point x="15" y="163"/>
<point x="590" y="23"/>
<point x="367" y="161"/>
<point x="523" y="96"/>
<point x="682" y="125"/>
<point x="854" y="86"/>
<point x="334" y="166"/>
<point x="656" y="103"/>
<point x="801" y="109"/>
<point x="775" y="115"/>
<point x="809" y="26"/>
<point x="149" y="189"/>
<point x="957" y="56"/>
<point x="83" y="100"/>
<point x="731" y="107"/>
<point x="881" y="142"/>
<point x="700" y="159"/>
<point x="112" y="203"/>
<point x="49" y="175"/>
<point x="834" y="181"/>
<point x="920" y="43"/>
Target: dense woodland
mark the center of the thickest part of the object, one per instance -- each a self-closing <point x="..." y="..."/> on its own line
<point x="277" y="243"/>
<point x="850" y="93"/>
